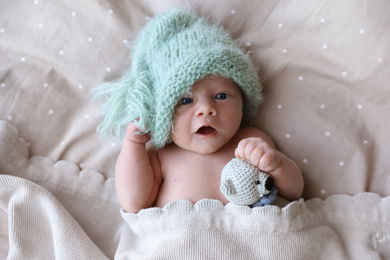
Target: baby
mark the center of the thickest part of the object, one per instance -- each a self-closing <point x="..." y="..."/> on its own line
<point x="188" y="96"/>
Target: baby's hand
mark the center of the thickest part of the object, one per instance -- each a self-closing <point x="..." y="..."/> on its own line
<point x="131" y="134"/>
<point x="259" y="153"/>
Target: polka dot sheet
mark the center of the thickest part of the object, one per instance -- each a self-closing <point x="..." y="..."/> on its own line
<point x="324" y="65"/>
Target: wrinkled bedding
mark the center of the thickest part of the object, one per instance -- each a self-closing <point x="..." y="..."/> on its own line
<point x="325" y="70"/>
<point x="65" y="213"/>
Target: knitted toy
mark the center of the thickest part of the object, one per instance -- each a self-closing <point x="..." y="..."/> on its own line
<point x="244" y="184"/>
<point x="173" y="51"/>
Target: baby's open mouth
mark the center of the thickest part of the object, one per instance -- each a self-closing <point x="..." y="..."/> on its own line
<point x="206" y="130"/>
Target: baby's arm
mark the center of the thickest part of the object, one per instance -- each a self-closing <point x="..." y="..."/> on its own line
<point x="261" y="152"/>
<point x="137" y="173"/>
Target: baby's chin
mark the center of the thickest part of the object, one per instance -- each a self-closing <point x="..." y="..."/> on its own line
<point x="205" y="151"/>
<point x="202" y="149"/>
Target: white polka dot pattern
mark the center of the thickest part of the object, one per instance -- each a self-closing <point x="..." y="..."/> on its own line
<point x="325" y="68"/>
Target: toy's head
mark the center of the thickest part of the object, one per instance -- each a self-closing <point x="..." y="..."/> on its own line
<point x="244" y="184"/>
<point x="172" y="52"/>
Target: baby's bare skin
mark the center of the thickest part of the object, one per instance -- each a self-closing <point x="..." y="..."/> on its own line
<point x="192" y="176"/>
<point x="183" y="174"/>
<point x="206" y="136"/>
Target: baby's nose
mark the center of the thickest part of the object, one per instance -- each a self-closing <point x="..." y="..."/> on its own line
<point x="206" y="108"/>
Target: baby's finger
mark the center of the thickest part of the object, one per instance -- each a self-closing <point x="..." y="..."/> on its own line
<point x="240" y="150"/>
<point x="269" y="161"/>
<point x="250" y="147"/>
<point x="136" y="134"/>
<point x="131" y="128"/>
<point x="257" y="154"/>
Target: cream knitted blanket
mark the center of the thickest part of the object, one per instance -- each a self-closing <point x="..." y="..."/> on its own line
<point x="52" y="210"/>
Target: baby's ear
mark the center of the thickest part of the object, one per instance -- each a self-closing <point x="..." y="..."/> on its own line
<point x="227" y="187"/>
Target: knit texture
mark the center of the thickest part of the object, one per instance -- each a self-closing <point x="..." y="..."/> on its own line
<point x="172" y="52"/>
<point x="244" y="184"/>
<point x="53" y="210"/>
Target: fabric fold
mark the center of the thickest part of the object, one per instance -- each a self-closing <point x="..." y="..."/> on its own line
<point x="54" y="210"/>
<point x="39" y="226"/>
<point x="340" y="227"/>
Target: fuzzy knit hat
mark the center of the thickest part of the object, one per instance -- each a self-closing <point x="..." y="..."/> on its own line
<point x="173" y="51"/>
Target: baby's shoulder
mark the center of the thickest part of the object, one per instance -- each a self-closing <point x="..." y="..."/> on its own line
<point x="171" y="152"/>
<point x="249" y="131"/>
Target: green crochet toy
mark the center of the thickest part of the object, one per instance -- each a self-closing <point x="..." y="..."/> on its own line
<point x="244" y="184"/>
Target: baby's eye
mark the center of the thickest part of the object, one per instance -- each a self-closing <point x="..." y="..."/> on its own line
<point x="186" y="101"/>
<point x="222" y="96"/>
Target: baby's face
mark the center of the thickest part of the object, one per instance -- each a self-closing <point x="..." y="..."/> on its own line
<point x="207" y="118"/>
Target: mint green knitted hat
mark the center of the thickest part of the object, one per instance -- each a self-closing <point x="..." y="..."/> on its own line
<point x="172" y="52"/>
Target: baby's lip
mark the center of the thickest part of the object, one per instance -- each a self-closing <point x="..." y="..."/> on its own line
<point x="206" y="131"/>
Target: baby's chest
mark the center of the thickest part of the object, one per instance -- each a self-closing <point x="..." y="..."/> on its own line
<point x="192" y="178"/>
<point x="193" y="169"/>
<point x="188" y="169"/>
<point x="193" y="172"/>
<point x="192" y="182"/>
